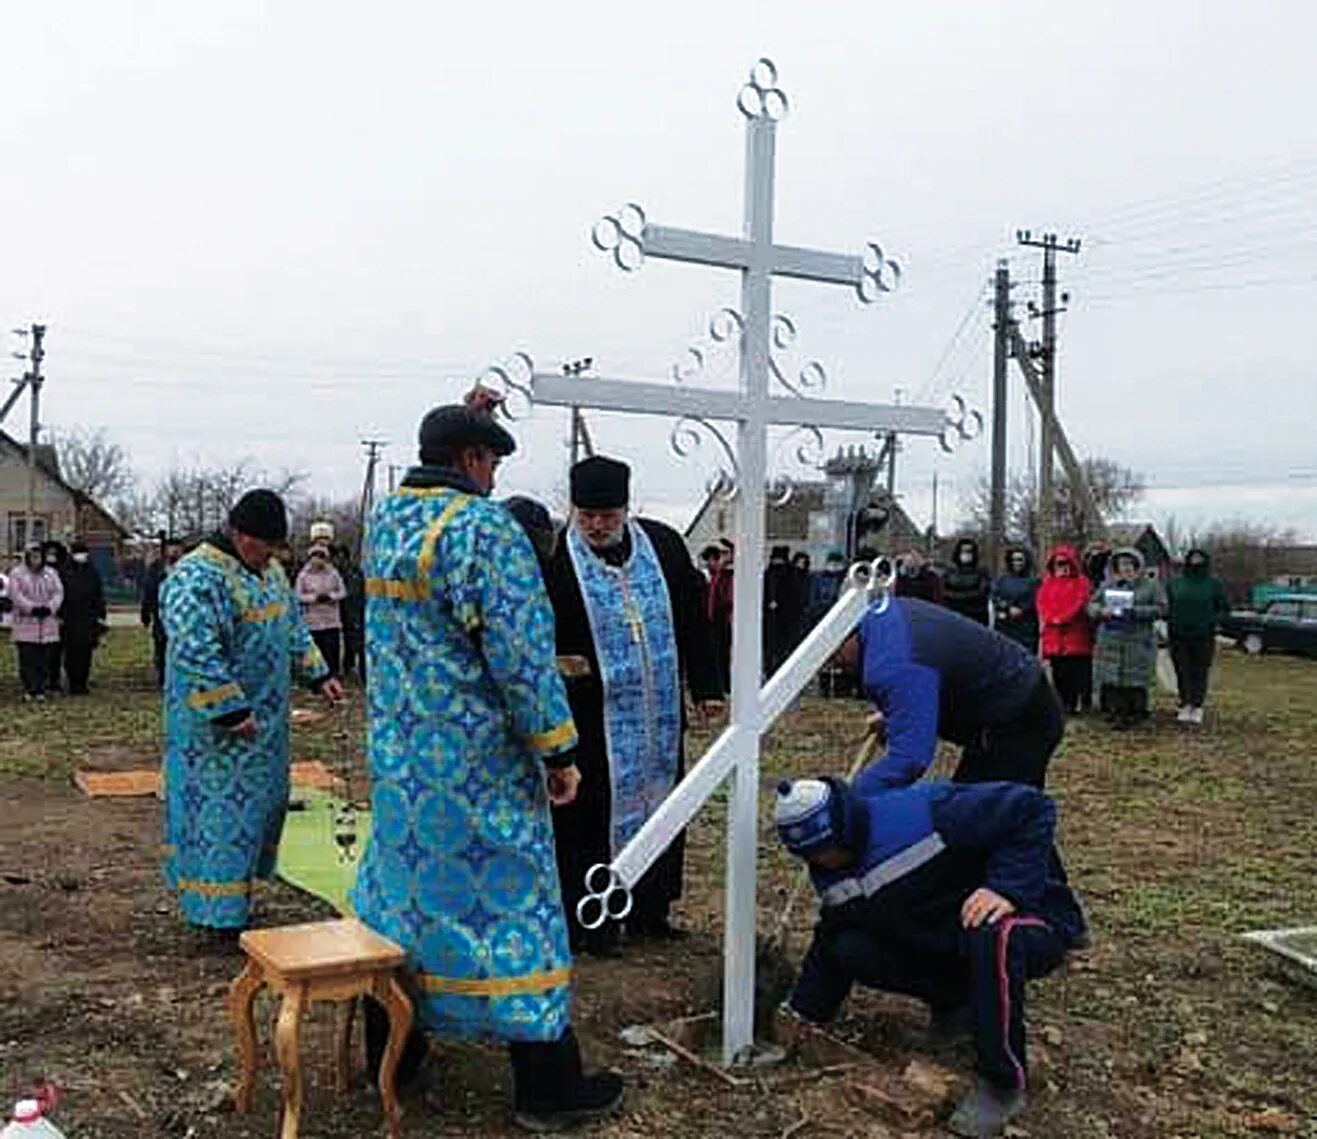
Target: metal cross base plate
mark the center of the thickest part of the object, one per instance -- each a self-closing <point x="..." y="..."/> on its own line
<point x="1297" y="949"/>
<point x="696" y="1040"/>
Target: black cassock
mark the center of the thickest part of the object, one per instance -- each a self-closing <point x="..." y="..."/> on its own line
<point x="582" y="829"/>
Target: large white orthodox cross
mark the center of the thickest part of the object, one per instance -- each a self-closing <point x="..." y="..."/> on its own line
<point x="630" y="238"/>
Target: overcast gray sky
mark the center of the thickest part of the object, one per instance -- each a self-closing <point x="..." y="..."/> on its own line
<point x="275" y="229"/>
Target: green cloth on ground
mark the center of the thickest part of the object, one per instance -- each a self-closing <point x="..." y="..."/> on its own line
<point x="310" y="859"/>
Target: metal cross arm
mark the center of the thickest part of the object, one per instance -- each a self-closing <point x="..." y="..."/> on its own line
<point x="630" y="239"/>
<point x="871" y="272"/>
<point x="645" y="398"/>
<point x="608" y="886"/>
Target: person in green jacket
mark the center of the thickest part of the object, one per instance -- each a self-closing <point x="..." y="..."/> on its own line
<point x="1196" y="602"/>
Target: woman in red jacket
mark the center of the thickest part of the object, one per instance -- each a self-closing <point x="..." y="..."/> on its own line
<point x="1067" y="635"/>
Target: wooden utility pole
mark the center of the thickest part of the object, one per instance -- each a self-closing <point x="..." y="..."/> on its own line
<point x="1049" y="244"/>
<point x="1001" y="352"/>
<point x="1074" y="469"/>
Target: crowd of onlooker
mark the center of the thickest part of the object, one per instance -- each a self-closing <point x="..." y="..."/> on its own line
<point x="53" y="602"/>
<point x="1094" y="617"/>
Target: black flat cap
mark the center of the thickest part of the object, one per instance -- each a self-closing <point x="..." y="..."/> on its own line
<point x="600" y="483"/>
<point x="455" y="425"/>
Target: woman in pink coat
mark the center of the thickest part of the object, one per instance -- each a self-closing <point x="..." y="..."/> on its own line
<point x="321" y="591"/>
<point x="36" y="594"/>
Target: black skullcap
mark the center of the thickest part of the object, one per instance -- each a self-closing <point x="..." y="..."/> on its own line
<point x="260" y="514"/>
<point x="455" y="425"/>
<point x="600" y="483"/>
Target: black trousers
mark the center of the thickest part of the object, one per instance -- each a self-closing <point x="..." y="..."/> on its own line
<point x="1073" y="677"/>
<point x="354" y="651"/>
<point x="1193" y="662"/>
<point x="1018" y="750"/>
<point x="78" y="647"/>
<point x="988" y="970"/>
<point x="159" y="648"/>
<point x="720" y="634"/>
<point x="55" y="666"/>
<point x="1125" y="703"/>
<point x="330" y="644"/>
<point x="33" y="668"/>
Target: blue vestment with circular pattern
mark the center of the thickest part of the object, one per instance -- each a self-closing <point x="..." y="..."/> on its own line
<point x="235" y="639"/>
<point x="465" y="703"/>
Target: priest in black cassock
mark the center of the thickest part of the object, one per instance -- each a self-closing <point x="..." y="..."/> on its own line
<point x="631" y="642"/>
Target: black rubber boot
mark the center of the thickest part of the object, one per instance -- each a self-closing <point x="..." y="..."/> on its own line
<point x="414" y="1052"/>
<point x="213" y="941"/>
<point x="551" y="1092"/>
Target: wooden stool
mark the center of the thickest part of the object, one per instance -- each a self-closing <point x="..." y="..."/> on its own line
<point x="318" y="961"/>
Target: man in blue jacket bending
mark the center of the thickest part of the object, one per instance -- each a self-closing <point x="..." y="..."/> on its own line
<point x="935" y="674"/>
<point x="946" y="892"/>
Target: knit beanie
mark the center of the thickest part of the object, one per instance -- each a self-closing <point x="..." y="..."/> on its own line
<point x="260" y="514"/>
<point x="809" y="813"/>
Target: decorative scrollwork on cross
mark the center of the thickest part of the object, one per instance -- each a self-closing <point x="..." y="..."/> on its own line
<point x="688" y="436"/>
<point x="878" y="274"/>
<point x="508" y="380"/>
<point x="802" y="446"/>
<point x="761" y="97"/>
<point x="963" y="424"/>
<point x="619" y="234"/>
<point x="811" y="378"/>
<point x="725" y="328"/>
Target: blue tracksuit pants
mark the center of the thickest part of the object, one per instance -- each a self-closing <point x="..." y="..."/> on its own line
<point x="988" y="969"/>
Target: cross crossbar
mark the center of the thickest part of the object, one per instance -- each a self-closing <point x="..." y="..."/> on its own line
<point x="673" y="244"/>
<point x="645" y="398"/>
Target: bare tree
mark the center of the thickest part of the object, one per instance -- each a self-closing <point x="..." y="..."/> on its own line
<point x="1243" y="551"/>
<point x="1115" y="489"/>
<point x="196" y="500"/>
<point x="344" y="515"/>
<point x="94" y="465"/>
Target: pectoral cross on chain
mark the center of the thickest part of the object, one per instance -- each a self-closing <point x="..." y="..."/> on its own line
<point x="631" y="611"/>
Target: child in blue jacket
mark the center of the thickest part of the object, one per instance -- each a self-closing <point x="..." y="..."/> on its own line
<point x="947" y="892"/>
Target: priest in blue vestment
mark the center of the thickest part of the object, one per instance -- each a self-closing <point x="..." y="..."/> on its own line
<point x="631" y="642"/>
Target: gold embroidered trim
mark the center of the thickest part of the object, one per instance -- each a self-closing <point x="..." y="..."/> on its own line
<point x="214" y="889"/>
<point x="271" y="612"/>
<point x="425" y="563"/>
<point x="396" y="590"/>
<point x="540" y="982"/>
<point x="556" y="738"/>
<point x="213" y="696"/>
